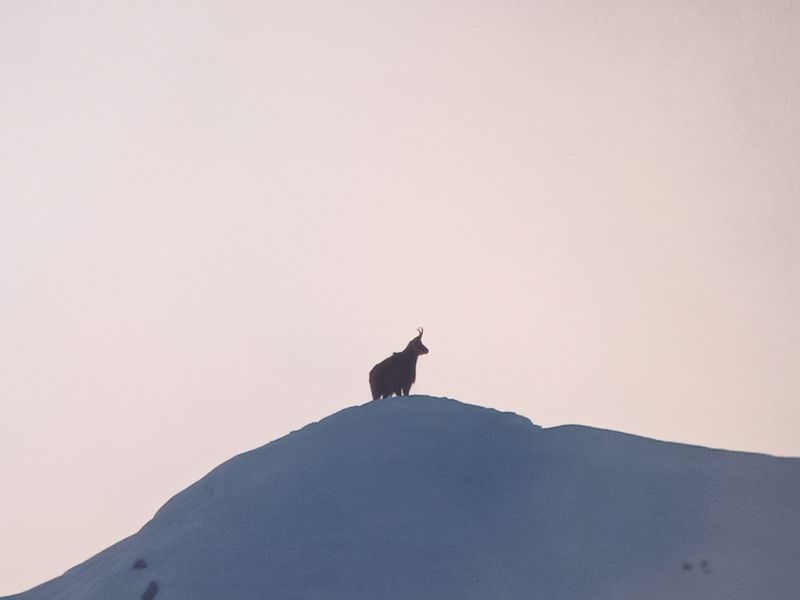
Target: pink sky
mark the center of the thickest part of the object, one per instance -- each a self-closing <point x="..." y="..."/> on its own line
<point x="216" y="217"/>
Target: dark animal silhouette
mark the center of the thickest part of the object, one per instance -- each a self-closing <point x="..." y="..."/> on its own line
<point x="396" y="374"/>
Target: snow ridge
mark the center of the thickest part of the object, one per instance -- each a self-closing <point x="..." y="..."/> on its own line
<point x="429" y="498"/>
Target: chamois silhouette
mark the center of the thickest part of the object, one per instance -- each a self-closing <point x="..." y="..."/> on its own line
<point x="396" y="374"/>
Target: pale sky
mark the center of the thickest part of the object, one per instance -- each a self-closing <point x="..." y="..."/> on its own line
<point x="215" y="217"/>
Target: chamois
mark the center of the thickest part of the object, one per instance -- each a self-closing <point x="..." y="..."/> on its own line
<point x="396" y="374"/>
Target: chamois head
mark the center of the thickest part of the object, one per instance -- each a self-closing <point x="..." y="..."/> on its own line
<point x="416" y="346"/>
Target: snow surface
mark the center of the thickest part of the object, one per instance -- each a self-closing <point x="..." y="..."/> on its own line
<point x="428" y="498"/>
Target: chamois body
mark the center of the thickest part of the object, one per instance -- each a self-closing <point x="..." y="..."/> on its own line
<point x="396" y="374"/>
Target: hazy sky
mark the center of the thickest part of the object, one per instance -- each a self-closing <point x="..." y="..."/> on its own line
<point x="215" y="217"/>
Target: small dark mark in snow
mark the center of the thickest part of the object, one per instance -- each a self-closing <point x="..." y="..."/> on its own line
<point x="151" y="591"/>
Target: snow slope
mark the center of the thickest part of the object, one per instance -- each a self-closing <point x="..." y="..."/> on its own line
<point x="427" y="498"/>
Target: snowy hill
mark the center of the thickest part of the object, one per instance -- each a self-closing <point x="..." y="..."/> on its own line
<point x="426" y="498"/>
